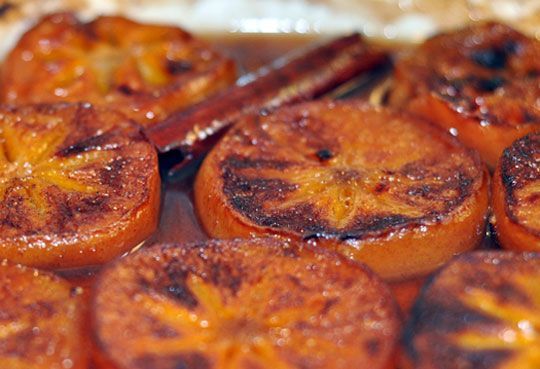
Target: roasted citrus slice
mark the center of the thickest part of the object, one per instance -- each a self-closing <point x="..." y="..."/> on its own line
<point x="516" y="195"/>
<point x="145" y="71"/>
<point x="78" y="185"/>
<point x="40" y="321"/>
<point x="482" y="83"/>
<point x="258" y="303"/>
<point x="380" y="187"/>
<point x="482" y="310"/>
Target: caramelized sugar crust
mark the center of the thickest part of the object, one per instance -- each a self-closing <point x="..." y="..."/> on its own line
<point x="348" y="177"/>
<point x="145" y="71"/>
<point x="516" y="195"/>
<point x="78" y="185"/>
<point x="40" y="321"/>
<point x="480" y="82"/>
<point x="259" y="303"/>
<point x="481" y="310"/>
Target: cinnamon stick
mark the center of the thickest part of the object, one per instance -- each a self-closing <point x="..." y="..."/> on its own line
<point x="192" y="132"/>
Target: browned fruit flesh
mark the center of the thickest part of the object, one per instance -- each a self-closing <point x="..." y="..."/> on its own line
<point x="481" y="311"/>
<point x="482" y="83"/>
<point x="145" y="71"/>
<point x="78" y="185"/>
<point x="516" y="195"/>
<point x="259" y="303"/>
<point x="378" y="186"/>
<point x="40" y="321"/>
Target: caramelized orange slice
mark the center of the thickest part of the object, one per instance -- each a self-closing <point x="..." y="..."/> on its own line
<point x="516" y="195"/>
<point x="481" y="311"/>
<point x="380" y="187"/>
<point x="78" y="185"/>
<point x="145" y="71"/>
<point x="481" y="83"/>
<point x="260" y="303"/>
<point x="40" y="321"/>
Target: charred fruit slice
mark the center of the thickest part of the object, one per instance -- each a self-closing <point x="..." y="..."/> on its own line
<point x="481" y="311"/>
<point x="259" y="303"/>
<point x="516" y="195"/>
<point x="380" y="187"/>
<point x="78" y="185"/>
<point x="145" y="71"/>
<point x="40" y="321"/>
<point x="482" y="83"/>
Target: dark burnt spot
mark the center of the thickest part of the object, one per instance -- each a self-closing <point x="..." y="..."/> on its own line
<point x="519" y="166"/>
<point x="328" y="305"/>
<point x="491" y="58"/>
<point x="374" y="224"/>
<point x="110" y="175"/>
<point x="445" y="355"/>
<point x="509" y="293"/>
<point x="373" y="346"/>
<point x="225" y="276"/>
<point x="442" y="315"/>
<point x="415" y="171"/>
<point x="302" y="219"/>
<point x="294" y="280"/>
<point x="490" y="84"/>
<point x="21" y="343"/>
<point x="308" y="236"/>
<point x="92" y="204"/>
<point x="324" y="154"/>
<point x="512" y="47"/>
<point x="264" y="112"/>
<point x="533" y="73"/>
<point x="180" y="292"/>
<point x="5" y="7"/>
<point x="381" y="187"/>
<point x="442" y="190"/>
<point x="246" y="194"/>
<point x="175" y="286"/>
<point x="529" y="117"/>
<point x="13" y="213"/>
<point x="192" y="360"/>
<point x="96" y="142"/>
<point x="74" y="291"/>
<point x="163" y="331"/>
<point x="456" y="90"/>
<point x="243" y="192"/>
<point x="125" y="90"/>
<point x="435" y="316"/>
<point x="423" y="191"/>
<point x="362" y="227"/>
<point x="175" y="67"/>
<point x="160" y="329"/>
<point x="533" y="199"/>
<point x="477" y="359"/>
<point x="64" y="213"/>
<point x="240" y="162"/>
<point x="345" y="176"/>
<point x="41" y="309"/>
